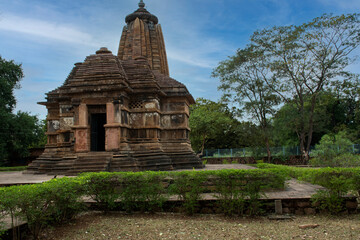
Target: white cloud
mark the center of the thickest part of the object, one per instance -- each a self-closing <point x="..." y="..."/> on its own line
<point x="190" y="59"/>
<point x="43" y="29"/>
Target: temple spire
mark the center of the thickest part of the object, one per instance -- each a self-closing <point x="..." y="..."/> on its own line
<point x="142" y="37"/>
<point x="141" y="4"/>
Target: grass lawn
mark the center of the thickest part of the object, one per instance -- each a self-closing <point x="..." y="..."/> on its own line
<point x="95" y="225"/>
<point x="12" y="169"/>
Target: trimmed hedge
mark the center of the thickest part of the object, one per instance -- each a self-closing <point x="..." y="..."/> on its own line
<point x="12" y="169"/>
<point x="149" y="190"/>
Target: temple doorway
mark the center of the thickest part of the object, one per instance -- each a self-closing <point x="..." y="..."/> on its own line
<point x="97" y="122"/>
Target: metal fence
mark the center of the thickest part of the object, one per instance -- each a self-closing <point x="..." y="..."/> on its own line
<point x="259" y="152"/>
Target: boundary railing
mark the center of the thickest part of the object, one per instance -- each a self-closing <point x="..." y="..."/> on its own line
<point x="259" y="152"/>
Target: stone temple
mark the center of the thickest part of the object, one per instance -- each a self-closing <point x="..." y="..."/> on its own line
<point x="120" y="112"/>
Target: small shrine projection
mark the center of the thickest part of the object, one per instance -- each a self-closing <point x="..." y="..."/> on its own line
<point x="120" y="113"/>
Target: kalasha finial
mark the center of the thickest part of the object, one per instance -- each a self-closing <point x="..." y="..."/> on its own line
<point x="141" y="4"/>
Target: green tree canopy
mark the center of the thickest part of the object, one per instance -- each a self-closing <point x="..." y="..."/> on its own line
<point x="10" y="76"/>
<point x="208" y="120"/>
<point x="17" y="131"/>
<point x="244" y="80"/>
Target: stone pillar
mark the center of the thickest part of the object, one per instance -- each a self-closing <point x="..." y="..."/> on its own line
<point x="112" y="128"/>
<point x="82" y="130"/>
<point x="83" y="115"/>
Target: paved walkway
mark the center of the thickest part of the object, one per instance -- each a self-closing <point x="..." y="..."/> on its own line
<point x="18" y="178"/>
<point x="220" y="167"/>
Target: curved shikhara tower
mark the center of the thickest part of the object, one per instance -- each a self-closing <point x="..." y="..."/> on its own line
<point x="143" y="37"/>
<point x="120" y="113"/>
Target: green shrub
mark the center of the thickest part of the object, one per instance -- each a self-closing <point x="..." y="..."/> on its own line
<point x="240" y="189"/>
<point x="188" y="185"/>
<point x="341" y="160"/>
<point x="9" y="205"/>
<point x="337" y="183"/>
<point x="225" y="161"/>
<point x="355" y="181"/>
<point x="34" y="207"/>
<point x="334" y="151"/>
<point x="139" y="190"/>
<point x="11" y="169"/>
<point x="102" y="188"/>
<point x="230" y="192"/>
<point x="142" y="190"/>
<point x="65" y="195"/>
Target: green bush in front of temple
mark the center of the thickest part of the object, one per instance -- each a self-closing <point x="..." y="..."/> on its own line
<point x="43" y="204"/>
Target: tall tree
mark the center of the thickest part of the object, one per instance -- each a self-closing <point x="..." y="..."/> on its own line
<point x="207" y="120"/>
<point x="17" y="131"/>
<point x="10" y="76"/>
<point x="244" y="80"/>
<point x="307" y="58"/>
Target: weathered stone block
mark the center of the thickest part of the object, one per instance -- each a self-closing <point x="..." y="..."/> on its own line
<point x="351" y="204"/>
<point x="310" y="211"/>
<point x="303" y="204"/>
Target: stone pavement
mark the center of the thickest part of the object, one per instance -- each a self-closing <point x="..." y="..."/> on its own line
<point x="18" y="178"/>
<point x="294" y="190"/>
<point x="220" y="166"/>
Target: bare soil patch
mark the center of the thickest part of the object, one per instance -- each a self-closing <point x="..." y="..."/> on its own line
<point x="95" y="225"/>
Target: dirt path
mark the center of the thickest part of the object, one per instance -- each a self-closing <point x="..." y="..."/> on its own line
<point x="212" y="227"/>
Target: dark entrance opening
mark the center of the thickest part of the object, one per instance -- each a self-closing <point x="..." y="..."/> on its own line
<point x="97" y="122"/>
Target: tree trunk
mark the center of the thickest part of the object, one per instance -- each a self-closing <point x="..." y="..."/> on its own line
<point x="203" y="145"/>
<point x="311" y="126"/>
<point x="302" y="131"/>
<point x="304" y="153"/>
<point x="268" y="149"/>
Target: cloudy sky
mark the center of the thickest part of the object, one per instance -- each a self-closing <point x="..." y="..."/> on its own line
<point x="48" y="36"/>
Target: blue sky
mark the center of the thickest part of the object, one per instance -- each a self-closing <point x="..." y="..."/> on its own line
<point x="47" y="37"/>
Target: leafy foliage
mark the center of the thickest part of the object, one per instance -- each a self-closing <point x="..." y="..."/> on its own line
<point x="17" y="131"/>
<point x="188" y="186"/>
<point x="11" y="169"/>
<point x="102" y="189"/>
<point x="244" y="80"/>
<point x="42" y="204"/>
<point x="10" y="76"/>
<point x="207" y="120"/>
<point x="334" y="151"/>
